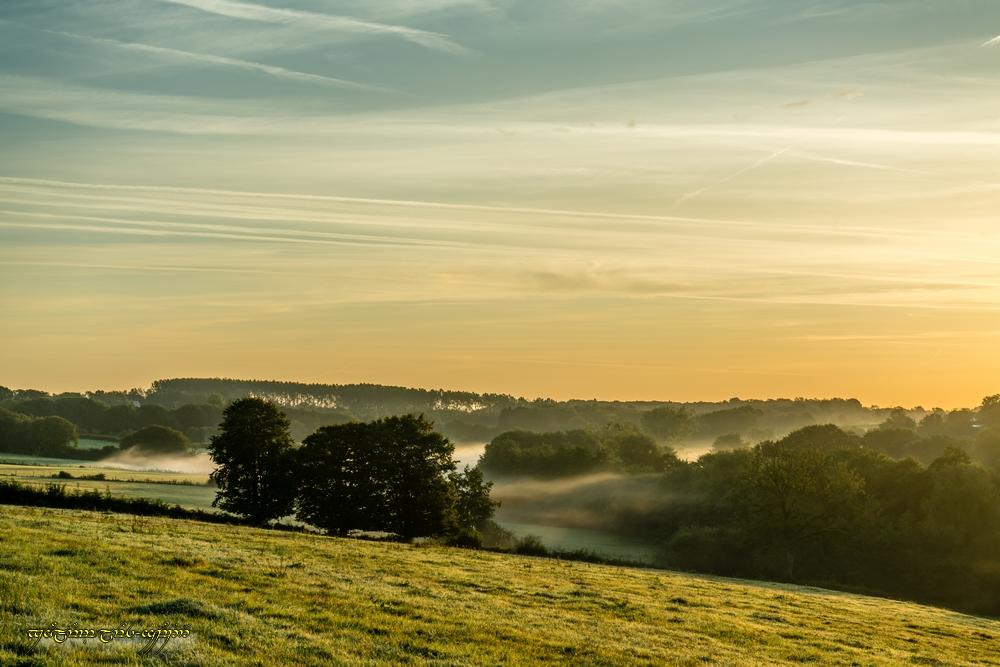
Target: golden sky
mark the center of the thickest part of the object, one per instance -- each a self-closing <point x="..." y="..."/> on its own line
<point x="615" y="200"/>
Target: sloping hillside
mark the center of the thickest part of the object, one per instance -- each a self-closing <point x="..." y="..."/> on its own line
<point x="263" y="597"/>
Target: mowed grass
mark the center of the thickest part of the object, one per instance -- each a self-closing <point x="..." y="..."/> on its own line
<point x="259" y="597"/>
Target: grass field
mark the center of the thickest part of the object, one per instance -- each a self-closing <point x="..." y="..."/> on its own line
<point x="269" y="598"/>
<point x="186" y="490"/>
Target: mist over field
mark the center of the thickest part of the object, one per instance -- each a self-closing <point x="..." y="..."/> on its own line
<point x="197" y="464"/>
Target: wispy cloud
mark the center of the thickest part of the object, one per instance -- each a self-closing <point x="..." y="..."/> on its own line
<point x="992" y="42"/>
<point x="190" y="56"/>
<point x="208" y="230"/>
<point x="571" y="217"/>
<point x="320" y="21"/>
<point x="756" y="164"/>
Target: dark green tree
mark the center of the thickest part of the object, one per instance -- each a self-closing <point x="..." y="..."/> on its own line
<point x="341" y="483"/>
<point x="254" y="452"/>
<point x="394" y="474"/>
<point x="800" y="499"/>
<point x="989" y="411"/>
<point x="899" y="419"/>
<point x="473" y="505"/>
<point x="667" y="423"/>
<point x="419" y="491"/>
<point x="51" y="436"/>
<point x="157" y="440"/>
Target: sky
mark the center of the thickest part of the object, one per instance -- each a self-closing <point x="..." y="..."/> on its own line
<point x="612" y="199"/>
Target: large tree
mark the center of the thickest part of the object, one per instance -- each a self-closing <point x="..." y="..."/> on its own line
<point x="395" y="474"/>
<point x="799" y="500"/>
<point x="254" y="453"/>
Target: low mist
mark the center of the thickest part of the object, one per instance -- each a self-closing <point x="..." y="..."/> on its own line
<point x="597" y="501"/>
<point x="192" y="464"/>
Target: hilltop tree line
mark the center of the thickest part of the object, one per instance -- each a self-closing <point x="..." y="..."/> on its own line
<point x="626" y="448"/>
<point x="193" y="406"/>
<point x="821" y="507"/>
<point x="615" y="448"/>
<point x="394" y="474"/>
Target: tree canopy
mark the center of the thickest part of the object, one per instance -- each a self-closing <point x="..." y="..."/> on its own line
<point x="157" y="440"/>
<point x="254" y="455"/>
<point x="394" y="474"/>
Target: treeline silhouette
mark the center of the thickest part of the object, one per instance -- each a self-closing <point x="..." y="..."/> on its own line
<point x="49" y="436"/>
<point x="193" y="406"/>
<point x="616" y="448"/>
<point x="626" y="448"/>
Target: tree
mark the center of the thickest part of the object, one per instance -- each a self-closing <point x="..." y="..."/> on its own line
<point x="50" y="436"/>
<point x="394" y="474"/>
<point x="732" y="420"/>
<point x="473" y="505"/>
<point x="899" y="419"/>
<point x="419" y="490"/>
<point x="340" y="480"/>
<point x="821" y="436"/>
<point x="989" y="411"/>
<point x="254" y="454"/>
<point x="667" y="423"/>
<point x="118" y="419"/>
<point x="799" y="496"/>
<point x="157" y="440"/>
<point x="630" y="450"/>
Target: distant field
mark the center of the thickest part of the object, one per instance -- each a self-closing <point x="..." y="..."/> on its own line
<point x="150" y="484"/>
<point x="94" y="443"/>
<point x="262" y="597"/>
<point x="129" y="483"/>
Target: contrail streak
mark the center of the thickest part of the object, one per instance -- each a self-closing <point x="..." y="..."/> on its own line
<point x="316" y="20"/>
<point x="272" y="70"/>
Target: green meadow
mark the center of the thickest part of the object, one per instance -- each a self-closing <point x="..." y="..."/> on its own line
<point x="174" y="488"/>
<point x="260" y="597"/>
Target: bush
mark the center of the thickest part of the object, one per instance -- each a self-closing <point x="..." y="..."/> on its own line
<point x="530" y="545"/>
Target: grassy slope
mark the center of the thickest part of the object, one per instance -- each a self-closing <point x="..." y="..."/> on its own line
<point x="269" y="598"/>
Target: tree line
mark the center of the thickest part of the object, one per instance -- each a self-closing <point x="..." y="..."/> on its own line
<point x="49" y="436"/>
<point x="628" y="448"/>
<point x="193" y="406"/>
<point x="614" y="448"/>
<point x="841" y="515"/>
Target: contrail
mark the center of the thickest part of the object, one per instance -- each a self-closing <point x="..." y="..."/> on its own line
<point x="736" y="174"/>
<point x="444" y="206"/>
<point x="151" y="227"/>
<point x="316" y="20"/>
<point x="273" y="70"/>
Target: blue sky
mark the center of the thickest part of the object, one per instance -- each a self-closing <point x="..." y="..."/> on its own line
<point x="615" y="199"/>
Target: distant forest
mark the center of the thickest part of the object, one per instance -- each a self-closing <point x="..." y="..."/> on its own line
<point x="194" y="407"/>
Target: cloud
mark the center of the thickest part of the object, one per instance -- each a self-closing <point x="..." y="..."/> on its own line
<point x="687" y="196"/>
<point x="319" y="21"/>
<point x="992" y="42"/>
<point x="204" y="230"/>
<point x="190" y="56"/>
